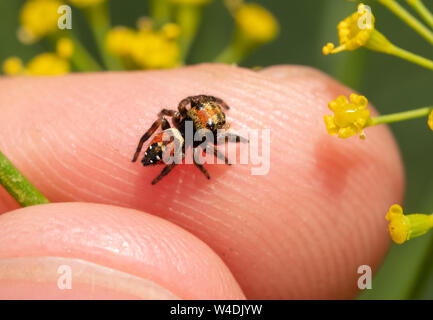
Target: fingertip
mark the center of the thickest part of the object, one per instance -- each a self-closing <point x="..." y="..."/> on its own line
<point x="288" y="72"/>
<point x="123" y="253"/>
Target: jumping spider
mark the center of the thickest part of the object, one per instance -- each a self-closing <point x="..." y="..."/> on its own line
<point x="205" y="113"/>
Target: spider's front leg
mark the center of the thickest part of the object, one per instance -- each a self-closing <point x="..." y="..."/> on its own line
<point x="205" y="98"/>
<point x="167" y="169"/>
<point x="222" y="103"/>
<point x="231" y="137"/>
<point x="160" y="122"/>
<point x="200" y="166"/>
<point x="175" y="115"/>
<point x="180" y="113"/>
<point x="217" y="154"/>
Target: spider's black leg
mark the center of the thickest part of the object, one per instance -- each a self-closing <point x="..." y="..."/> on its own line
<point x="171" y="113"/>
<point x="221" y="103"/>
<point x="182" y="105"/>
<point x="200" y="166"/>
<point x="164" y="172"/>
<point x="165" y="124"/>
<point x="202" y="169"/>
<point x="203" y="98"/>
<point x="218" y="154"/>
<point x="160" y="122"/>
<point x="231" y="137"/>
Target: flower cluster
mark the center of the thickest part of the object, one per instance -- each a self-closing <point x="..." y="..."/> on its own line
<point x="43" y="64"/>
<point x="159" y="42"/>
<point x="38" y="19"/>
<point x="145" y="48"/>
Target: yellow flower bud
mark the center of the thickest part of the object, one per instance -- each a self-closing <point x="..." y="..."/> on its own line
<point x="47" y="64"/>
<point x="256" y="23"/>
<point x="13" y="66"/>
<point x="120" y="41"/>
<point x="405" y="227"/>
<point x="38" y="18"/>
<point x="152" y="50"/>
<point x="349" y="118"/>
<point x="65" y="48"/>
<point x="171" y="30"/>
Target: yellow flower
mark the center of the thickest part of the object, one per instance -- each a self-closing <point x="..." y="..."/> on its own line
<point x="357" y="31"/>
<point x="349" y="118"/>
<point x="42" y="64"/>
<point x="13" y="66"/>
<point x="120" y="40"/>
<point x="256" y="23"/>
<point x="146" y="48"/>
<point x="65" y="48"/>
<point x="85" y="3"/>
<point x="38" y="18"/>
<point x="171" y="31"/>
<point x="152" y="50"/>
<point x="47" y="64"/>
<point x="430" y="120"/>
<point x="405" y="227"/>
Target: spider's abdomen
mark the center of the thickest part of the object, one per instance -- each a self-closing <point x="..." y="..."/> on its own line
<point x="207" y="115"/>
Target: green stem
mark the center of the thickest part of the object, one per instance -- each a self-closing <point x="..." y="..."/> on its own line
<point x="237" y="50"/>
<point x="424" y="271"/>
<point x="422" y="10"/>
<point x="228" y="55"/>
<point x="188" y="16"/>
<point x="81" y="58"/>
<point x="17" y="185"/>
<point x="420" y="283"/>
<point x="99" y="20"/>
<point x="160" y="12"/>
<point x="411" y="57"/>
<point x="409" y="19"/>
<point x="400" y="116"/>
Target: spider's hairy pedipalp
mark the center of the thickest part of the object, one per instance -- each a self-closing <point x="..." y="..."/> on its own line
<point x="160" y="122"/>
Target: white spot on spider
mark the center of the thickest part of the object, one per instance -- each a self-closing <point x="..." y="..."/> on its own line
<point x="150" y="148"/>
<point x="151" y="161"/>
<point x="158" y="158"/>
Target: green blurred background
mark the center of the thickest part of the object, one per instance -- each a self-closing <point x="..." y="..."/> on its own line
<point x="390" y="84"/>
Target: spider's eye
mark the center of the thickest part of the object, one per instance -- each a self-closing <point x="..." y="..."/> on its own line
<point x="210" y="125"/>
